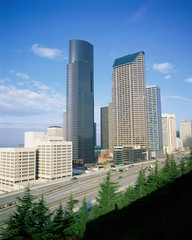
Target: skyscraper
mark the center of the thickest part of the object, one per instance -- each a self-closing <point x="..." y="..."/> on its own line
<point x="185" y="128"/>
<point x="80" y="100"/>
<point x="154" y="121"/>
<point x="110" y="128"/>
<point x="104" y="128"/>
<point x="169" y="133"/>
<point x="129" y="101"/>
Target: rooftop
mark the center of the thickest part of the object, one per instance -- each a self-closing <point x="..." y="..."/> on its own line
<point x="126" y="59"/>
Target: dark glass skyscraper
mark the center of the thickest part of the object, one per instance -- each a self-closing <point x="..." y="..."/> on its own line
<point x="80" y="100"/>
<point x="104" y="128"/>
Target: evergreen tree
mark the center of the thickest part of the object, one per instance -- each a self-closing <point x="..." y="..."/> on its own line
<point x="141" y="184"/>
<point x="69" y="220"/>
<point x="21" y="223"/>
<point x="174" y="172"/>
<point x="43" y="222"/>
<point x="182" y="166"/>
<point x="167" y="164"/>
<point x="189" y="162"/>
<point x="81" y="220"/>
<point x="130" y="196"/>
<point x="58" y="223"/>
<point x="108" y="197"/>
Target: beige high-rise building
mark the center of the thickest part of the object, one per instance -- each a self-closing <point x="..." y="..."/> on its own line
<point x="169" y="133"/>
<point x="17" y="168"/>
<point x="185" y="128"/>
<point x="129" y="101"/>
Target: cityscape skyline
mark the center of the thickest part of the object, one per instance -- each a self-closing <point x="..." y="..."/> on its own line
<point x="34" y="51"/>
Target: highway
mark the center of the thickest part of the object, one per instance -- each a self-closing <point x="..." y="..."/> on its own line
<point x="85" y="186"/>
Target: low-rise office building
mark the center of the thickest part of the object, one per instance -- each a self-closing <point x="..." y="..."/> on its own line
<point x="54" y="156"/>
<point x="129" y="154"/>
<point x="17" y="168"/>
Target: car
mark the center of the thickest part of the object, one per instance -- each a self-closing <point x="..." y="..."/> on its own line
<point x="75" y="200"/>
<point x="74" y="178"/>
<point x="120" y="177"/>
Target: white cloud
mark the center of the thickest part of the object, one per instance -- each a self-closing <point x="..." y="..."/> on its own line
<point x="168" y="76"/>
<point x="140" y="13"/>
<point x="163" y="67"/>
<point x="41" y="51"/>
<point x="3" y="80"/>
<point x="188" y="100"/>
<point x="40" y="86"/>
<point x="189" y="80"/>
<point x="21" y="102"/>
<point x="20" y="75"/>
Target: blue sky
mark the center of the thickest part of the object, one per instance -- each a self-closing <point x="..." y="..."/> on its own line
<point x="34" y="43"/>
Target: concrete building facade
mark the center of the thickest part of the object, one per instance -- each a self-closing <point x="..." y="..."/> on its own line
<point x="129" y="154"/>
<point x="154" y="121"/>
<point x="129" y="101"/>
<point x="169" y="133"/>
<point x="185" y="128"/>
<point x="17" y="168"/>
<point x="54" y="156"/>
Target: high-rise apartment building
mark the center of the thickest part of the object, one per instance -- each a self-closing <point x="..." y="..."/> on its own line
<point x="129" y="101"/>
<point x="80" y="100"/>
<point x="185" y="128"/>
<point x="104" y="128"/>
<point x="154" y="121"/>
<point x="169" y="133"/>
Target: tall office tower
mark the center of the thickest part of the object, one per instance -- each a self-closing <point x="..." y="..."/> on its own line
<point x="154" y="121"/>
<point x="80" y="100"/>
<point x="169" y="133"/>
<point x="104" y="128"/>
<point x="110" y="128"/>
<point x="185" y="128"/>
<point x="129" y="100"/>
<point x="95" y="134"/>
<point x="64" y="125"/>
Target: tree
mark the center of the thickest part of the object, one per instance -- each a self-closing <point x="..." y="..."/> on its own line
<point x="182" y="166"/>
<point x="21" y="223"/>
<point x="130" y="196"/>
<point x="81" y="220"/>
<point x="174" y="172"/>
<point x="58" y="223"/>
<point x="108" y="197"/>
<point x="43" y="222"/>
<point x="69" y="220"/>
<point x="141" y="184"/>
<point x="189" y="162"/>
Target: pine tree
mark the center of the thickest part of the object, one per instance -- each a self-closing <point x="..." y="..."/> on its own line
<point x="130" y="196"/>
<point x="81" y="220"/>
<point x="182" y="166"/>
<point x="43" y="222"/>
<point x="69" y="220"/>
<point x="108" y="197"/>
<point x="141" y="184"/>
<point x="174" y="172"/>
<point x="58" y="223"/>
<point x="189" y="162"/>
<point x="21" y="223"/>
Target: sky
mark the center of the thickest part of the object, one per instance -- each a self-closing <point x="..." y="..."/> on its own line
<point x="34" y="42"/>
